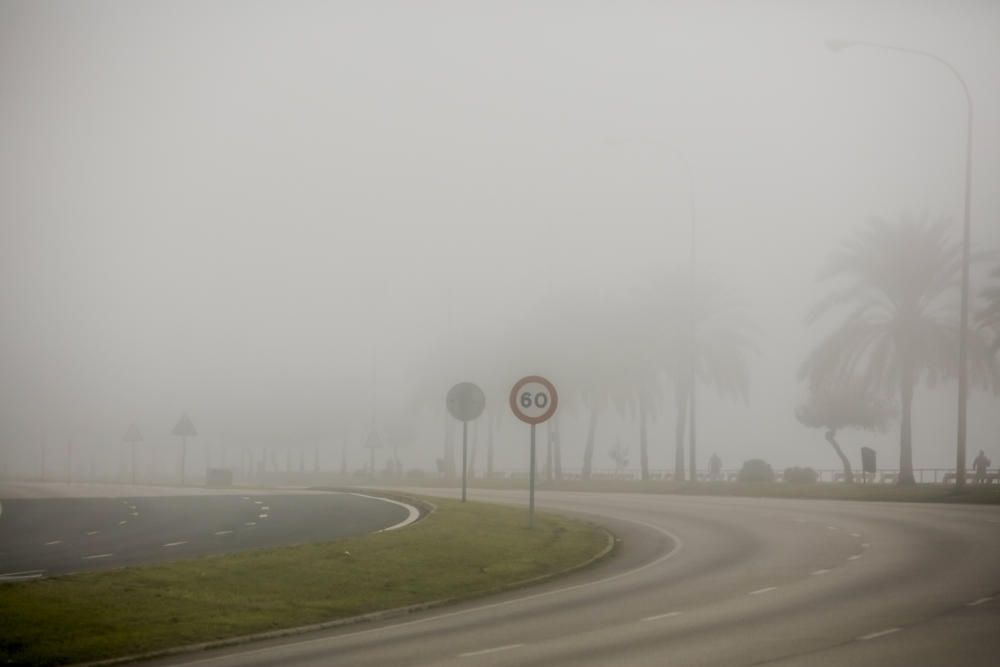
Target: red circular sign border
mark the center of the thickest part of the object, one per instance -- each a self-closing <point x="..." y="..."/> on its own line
<point x="547" y="415"/>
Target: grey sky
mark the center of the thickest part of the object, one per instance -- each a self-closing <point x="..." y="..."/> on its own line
<point x="222" y="207"/>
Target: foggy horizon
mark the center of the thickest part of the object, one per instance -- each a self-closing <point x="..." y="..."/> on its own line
<point x="290" y="222"/>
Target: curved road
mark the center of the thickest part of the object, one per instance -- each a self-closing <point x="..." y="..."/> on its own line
<point x="44" y="536"/>
<point x="714" y="581"/>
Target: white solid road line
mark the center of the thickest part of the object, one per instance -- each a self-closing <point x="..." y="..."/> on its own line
<point x="819" y="572"/>
<point x="976" y="603"/>
<point x="413" y="515"/>
<point x="489" y="650"/>
<point x="97" y="556"/>
<point x="669" y="614"/>
<point x="175" y="544"/>
<point x="876" y="635"/>
<point x="763" y="590"/>
<point x="21" y="576"/>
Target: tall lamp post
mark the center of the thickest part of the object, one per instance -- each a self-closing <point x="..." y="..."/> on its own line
<point x="837" y="45"/>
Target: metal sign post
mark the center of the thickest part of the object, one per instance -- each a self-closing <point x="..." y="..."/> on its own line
<point x="533" y="400"/>
<point x="465" y="402"/>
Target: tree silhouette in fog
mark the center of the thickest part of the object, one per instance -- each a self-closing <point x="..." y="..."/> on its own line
<point x="896" y="286"/>
<point x="849" y="404"/>
<point x="989" y="316"/>
<point x="703" y="336"/>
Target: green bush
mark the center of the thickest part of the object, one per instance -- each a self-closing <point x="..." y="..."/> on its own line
<point x="756" y="470"/>
<point x="798" y="475"/>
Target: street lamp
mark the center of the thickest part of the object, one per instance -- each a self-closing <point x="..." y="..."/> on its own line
<point x="837" y="45"/>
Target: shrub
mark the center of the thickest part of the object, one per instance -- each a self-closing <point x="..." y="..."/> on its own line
<point x="756" y="470"/>
<point x="798" y="475"/>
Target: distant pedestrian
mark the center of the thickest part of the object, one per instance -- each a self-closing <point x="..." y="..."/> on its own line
<point x="981" y="464"/>
<point x="715" y="467"/>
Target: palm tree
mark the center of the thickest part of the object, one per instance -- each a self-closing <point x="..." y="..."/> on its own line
<point x="847" y="405"/>
<point x="703" y="340"/>
<point x="899" y="282"/>
<point x="989" y="316"/>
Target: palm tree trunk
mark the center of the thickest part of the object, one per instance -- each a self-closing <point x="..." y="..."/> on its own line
<point x="682" y="411"/>
<point x="643" y="450"/>
<point x="490" y="427"/>
<point x="449" y="450"/>
<point x="905" y="429"/>
<point x="588" y="452"/>
<point x="831" y="437"/>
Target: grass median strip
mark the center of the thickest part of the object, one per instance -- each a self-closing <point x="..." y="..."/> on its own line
<point x="458" y="551"/>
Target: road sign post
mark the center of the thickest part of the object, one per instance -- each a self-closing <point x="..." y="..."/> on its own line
<point x="184" y="428"/>
<point x="465" y="402"/>
<point x="533" y="400"/>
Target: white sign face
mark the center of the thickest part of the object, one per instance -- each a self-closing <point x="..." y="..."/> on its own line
<point x="534" y="399"/>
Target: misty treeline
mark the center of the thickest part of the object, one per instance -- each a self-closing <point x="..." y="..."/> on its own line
<point x="886" y="309"/>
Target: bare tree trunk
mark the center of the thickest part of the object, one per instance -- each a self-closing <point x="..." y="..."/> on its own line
<point x="449" y="449"/>
<point x="693" y="453"/>
<point x="588" y="452"/>
<point x="831" y="437"/>
<point x="679" y="428"/>
<point x="643" y="449"/>
<point x="489" y="446"/>
<point x="905" y="429"/>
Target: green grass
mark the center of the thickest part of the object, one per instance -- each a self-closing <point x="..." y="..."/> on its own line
<point x="458" y="551"/>
<point x="927" y="493"/>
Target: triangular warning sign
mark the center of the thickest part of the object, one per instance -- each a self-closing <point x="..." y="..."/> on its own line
<point x="132" y="434"/>
<point x="184" y="427"/>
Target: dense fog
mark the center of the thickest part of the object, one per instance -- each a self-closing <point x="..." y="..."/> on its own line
<point x="302" y="222"/>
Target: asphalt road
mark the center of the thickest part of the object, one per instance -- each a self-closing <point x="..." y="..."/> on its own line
<point x="714" y="581"/>
<point x="57" y="535"/>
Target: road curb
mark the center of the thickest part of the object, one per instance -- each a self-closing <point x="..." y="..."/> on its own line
<point x="371" y="617"/>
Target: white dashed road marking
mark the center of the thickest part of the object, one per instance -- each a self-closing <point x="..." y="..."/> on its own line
<point x="53" y="542"/>
<point x="175" y="544"/>
<point x="250" y="523"/>
<point x="97" y="556"/>
<point x="261" y="516"/>
<point x="855" y="534"/>
<point x="669" y="614"/>
<point x="489" y="650"/>
<point x="21" y="576"/>
<point x="224" y="532"/>
<point x="763" y="590"/>
<point x="819" y="572"/>
<point x="880" y="633"/>
<point x="854" y="557"/>
<point x="976" y="603"/>
<point x="93" y="532"/>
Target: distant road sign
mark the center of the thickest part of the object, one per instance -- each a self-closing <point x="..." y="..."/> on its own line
<point x="534" y="399"/>
<point x="184" y="427"/>
<point x="465" y="401"/>
<point x="132" y="435"/>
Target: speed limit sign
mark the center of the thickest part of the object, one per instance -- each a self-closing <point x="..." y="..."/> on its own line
<point x="534" y="399"/>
